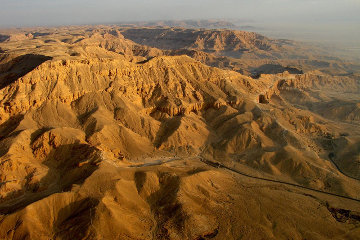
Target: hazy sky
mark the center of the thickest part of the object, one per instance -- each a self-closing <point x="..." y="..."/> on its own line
<point x="52" y="12"/>
<point x="331" y="21"/>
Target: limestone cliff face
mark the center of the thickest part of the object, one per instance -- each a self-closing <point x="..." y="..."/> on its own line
<point x="114" y="41"/>
<point x="15" y="37"/>
<point x="246" y="52"/>
<point x="72" y="114"/>
<point x="301" y="87"/>
<point x="317" y="80"/>
<point x="209" y="41"/>
<point x="169" y="84"/>
<point x="101" y="138"/>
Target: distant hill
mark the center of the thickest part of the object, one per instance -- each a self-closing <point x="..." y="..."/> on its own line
<point x="184" y="24"/>
<point x="111" y="132"/>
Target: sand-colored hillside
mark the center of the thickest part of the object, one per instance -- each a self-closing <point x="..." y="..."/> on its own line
<point x="104" y="138"/>
<point x="246" y="52"/>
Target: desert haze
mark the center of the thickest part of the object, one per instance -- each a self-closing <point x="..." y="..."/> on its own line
<point x="176" y="130"/>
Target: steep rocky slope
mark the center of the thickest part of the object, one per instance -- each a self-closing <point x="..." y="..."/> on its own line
<point x="247" y="52"/>
<point x="222" y="41"/>
<point x="103" y="138"/>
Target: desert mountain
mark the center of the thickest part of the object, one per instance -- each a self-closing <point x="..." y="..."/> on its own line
<point x="183" y="23"/>
<point x="226" y="42"/>
<point x="102" y="137"/>
<point x="247" y="52"/>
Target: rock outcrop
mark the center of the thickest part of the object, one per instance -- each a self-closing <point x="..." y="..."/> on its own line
<point x="104" y="138"/>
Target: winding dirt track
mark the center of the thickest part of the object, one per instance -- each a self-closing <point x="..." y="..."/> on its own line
<point x="219" y="165"/>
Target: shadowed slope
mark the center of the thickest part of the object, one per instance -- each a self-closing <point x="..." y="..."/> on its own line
<point x="19" y="67"/>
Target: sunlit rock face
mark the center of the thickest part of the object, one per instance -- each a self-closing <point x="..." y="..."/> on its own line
<point x="168" y="133"/>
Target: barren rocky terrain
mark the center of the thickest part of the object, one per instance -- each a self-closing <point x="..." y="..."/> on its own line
<point x="113" y="132"/>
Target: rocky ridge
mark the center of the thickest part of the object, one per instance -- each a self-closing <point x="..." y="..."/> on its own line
<point x="101" y="137"/>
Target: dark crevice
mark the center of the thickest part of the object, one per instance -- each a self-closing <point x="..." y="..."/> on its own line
<point x="145" y="61"/>
<point x="140" y="178"/>
<point x="10" y="126"/>
<point x="343" y="215"/>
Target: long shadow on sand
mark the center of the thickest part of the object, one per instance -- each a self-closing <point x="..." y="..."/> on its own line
<point x="274" y="69"/>
<point x="75" y="219"/>
<point x="68" y="164"/>
<point x="167" y="128"/>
